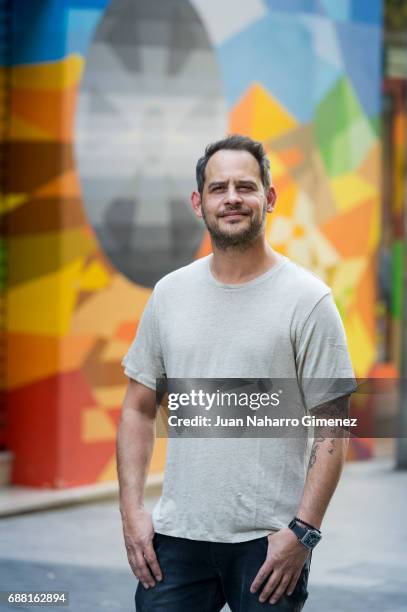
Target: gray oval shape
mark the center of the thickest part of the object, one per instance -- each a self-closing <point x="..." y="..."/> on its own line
<point x="150" y="99"/>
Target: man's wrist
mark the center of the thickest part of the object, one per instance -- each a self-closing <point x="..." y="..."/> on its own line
<point x="302" y="522"/>
<point x="308" y="536"/>
<point x="130" y="502"/>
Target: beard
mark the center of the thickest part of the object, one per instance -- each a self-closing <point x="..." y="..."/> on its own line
<point x="240" y="240"/>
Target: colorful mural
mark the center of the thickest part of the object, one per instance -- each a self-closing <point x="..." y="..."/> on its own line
<point x="304" y="77"/>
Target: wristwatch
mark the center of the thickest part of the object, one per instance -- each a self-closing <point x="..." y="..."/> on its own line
<point x="308" y="536"/>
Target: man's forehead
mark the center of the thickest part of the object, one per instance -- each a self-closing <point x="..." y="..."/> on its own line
<point x="225" y="164"/>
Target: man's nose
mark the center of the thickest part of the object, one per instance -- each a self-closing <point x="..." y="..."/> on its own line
<point x="233" y="196"/>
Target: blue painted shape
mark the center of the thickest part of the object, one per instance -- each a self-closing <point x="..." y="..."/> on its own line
<point x="325" y="40"/>
<point x="293" y="6"/>
<point x="325" y="75"/>
<point x="368" y="11"/>
<point x="276" y="51"/>
<point x="361" y="50"/>
<point x="39" y="29"/>
<point x="340" y="10"/>
<point x="80" y="28"/>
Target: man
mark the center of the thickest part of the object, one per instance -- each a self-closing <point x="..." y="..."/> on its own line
<point x="220" y="533"/>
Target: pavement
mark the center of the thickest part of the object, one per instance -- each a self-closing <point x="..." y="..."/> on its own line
<point x="359" y="566"/>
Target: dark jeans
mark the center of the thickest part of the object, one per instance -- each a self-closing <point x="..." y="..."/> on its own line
<point x="204" y="576"/>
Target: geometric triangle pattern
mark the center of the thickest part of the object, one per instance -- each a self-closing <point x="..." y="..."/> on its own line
<point x="301" y="76"/>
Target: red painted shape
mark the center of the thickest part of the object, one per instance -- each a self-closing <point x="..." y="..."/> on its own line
<point x="44" y="431"/>
<point x="80" y="462"/>
<point x="32" y="432"/>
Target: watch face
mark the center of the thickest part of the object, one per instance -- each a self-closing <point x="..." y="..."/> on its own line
<point x="311" y="539"/>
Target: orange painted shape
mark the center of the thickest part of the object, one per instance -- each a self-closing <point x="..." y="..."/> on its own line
<point x="370" y="168"/>
<point x="66" y="185"/>
<point x="51" y="111"/>
<point x="30" y="358"/>
<point x="291" y="157"/>
<point x="205" y="247"/>
<point x="366" y="297"/>
<point x="74" y="349"/>
<point x="282" y="182"/>
<point x="125" y="331"/>
<point x="348" y="231"/>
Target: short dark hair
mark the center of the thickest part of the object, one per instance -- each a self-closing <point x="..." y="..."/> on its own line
<point x="235" y="142"/>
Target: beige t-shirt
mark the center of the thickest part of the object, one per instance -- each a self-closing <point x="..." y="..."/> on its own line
<point x="282" y="324"/>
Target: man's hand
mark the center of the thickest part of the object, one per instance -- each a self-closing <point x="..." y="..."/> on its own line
<point x="138" y="533"/>
<point x="284" y="562"/>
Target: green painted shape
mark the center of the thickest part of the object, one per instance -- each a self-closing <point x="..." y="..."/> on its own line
<point x="376" y="125"/>
<point x="342" y="131"/>
<point x="397" y="255"/>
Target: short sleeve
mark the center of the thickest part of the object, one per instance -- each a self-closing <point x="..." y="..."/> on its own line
<point x="143" y="361"/>
<point x="324" y="367"/>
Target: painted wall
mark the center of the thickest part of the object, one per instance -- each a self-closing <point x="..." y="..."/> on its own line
<point x="304" y="77"/>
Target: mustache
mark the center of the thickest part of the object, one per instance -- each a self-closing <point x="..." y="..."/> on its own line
<point x="229" y="211"/>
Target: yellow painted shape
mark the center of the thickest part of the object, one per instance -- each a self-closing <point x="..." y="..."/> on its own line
<point x="361" y="347"/>
<point x="114" y="349"/>
<point x="347" y="275"/>
<point x="103" y="313"/>
<point x="322" y="249"/>
<point x="45" y="305"/>
<point x="49" y="75"/>
<point x="350" y="190"/>
<point x="286" y="200"/>
<point x="277" y="166"/>
<point x="156" y="466"/>
<point x="298" y="231"/>
<point x="109" y="396"/>
<point x="158" y="459"/>
<point x="270" y="119"/>
<point x="97" y="426"/>
<point x="94" y="277"/>
<point x="109" y="472"/>
<point x="12" y="201"/>
<point x="68" y="246"/>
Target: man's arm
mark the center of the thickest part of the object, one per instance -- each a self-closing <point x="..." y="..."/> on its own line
<point x="285" y="554"/>
<point x="327" y="457"/>
<point x="135" y="442"/>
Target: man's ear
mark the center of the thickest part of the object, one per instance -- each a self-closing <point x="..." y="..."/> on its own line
<point x="271" y="199"/>
<point x="196" y="203"/>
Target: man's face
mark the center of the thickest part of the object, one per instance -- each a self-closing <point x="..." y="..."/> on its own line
<point x="233" y="203"/>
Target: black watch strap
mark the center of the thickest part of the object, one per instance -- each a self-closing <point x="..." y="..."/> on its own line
<point x="306" y="524"/>
<point x="308" y="537"/>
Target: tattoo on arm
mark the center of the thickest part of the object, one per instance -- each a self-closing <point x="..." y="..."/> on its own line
<point x="338" y="408"/>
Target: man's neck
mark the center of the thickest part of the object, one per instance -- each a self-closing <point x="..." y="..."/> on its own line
<point x="233" y="266"/>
